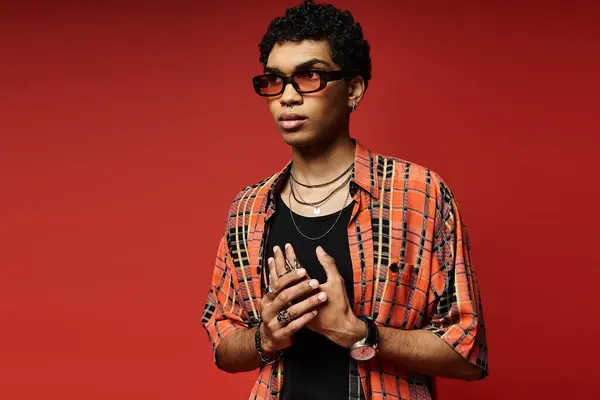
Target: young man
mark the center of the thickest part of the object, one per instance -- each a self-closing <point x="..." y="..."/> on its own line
<point x="347" y="274"/>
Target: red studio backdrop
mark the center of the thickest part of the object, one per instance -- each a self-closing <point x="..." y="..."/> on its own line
<point x="126" y="128"/>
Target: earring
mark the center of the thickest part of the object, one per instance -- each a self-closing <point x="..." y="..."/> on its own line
<point x="353" y="108"/>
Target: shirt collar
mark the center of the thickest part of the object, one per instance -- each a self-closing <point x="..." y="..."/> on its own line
<point x="364" y="175"/>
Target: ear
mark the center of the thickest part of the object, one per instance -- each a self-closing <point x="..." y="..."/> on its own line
<point x="356" y="90"/>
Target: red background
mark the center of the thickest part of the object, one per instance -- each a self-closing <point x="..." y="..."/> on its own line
<point x="126" y="128"/>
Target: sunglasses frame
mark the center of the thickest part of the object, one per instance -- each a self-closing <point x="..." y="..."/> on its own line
<point x="325" y="77"/>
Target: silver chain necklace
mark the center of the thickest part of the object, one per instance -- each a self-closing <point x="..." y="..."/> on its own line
<point x="320" y="185"/>
<point x="317" y="204"/>
<point x="329" y="230"/>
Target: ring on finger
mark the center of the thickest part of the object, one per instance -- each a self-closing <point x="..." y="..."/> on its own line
<point x="284" y="317"/>
<point x="288" y="267"/>
<point x="285" y="273"/>
<point x="271" y="294"/>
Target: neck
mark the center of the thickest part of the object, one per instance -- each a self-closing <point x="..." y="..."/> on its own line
<point x="324" y="161"/>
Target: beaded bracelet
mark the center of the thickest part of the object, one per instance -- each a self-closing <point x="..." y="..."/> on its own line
<point x="259" y="346"/>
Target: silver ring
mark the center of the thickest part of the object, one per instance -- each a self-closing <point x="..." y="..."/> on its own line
<point x="284" y="317"/>
<point x="270" y="292"/>
<point x="285" y="273"/>
<point x="288" y="266"/>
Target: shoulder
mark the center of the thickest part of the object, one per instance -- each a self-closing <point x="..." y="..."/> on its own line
<point x="409" y="174"/>
<point x="251" y="191"/>
<point x="249" y="202"/>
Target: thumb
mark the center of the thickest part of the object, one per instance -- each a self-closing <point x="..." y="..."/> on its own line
<point x="328" y="263"/>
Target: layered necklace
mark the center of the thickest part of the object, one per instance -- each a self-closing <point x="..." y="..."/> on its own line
<point x="317" y="204"/>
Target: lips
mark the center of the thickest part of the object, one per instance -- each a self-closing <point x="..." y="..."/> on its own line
<point x="289" y="121"/>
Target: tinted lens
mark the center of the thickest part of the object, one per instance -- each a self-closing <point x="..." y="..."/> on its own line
<point x="270" y="84"/>
<point x="308" y="81"/>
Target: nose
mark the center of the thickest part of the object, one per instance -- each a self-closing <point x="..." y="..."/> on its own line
<point x="290" y="96"/>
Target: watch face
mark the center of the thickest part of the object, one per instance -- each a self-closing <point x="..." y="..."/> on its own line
<point x="363" y="353"/>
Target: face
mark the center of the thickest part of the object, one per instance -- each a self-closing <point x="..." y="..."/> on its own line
<point x="305" y="119"/>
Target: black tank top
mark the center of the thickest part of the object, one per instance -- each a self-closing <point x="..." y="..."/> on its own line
<point x="314" y="367"/>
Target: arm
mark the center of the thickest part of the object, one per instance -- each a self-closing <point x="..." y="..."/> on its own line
<point x="453" y="343"/>
<point x="226" y="321"/>
<point x="420" y="351"/>
<point x="454" y="304"/>
<point x="237" y="352"/>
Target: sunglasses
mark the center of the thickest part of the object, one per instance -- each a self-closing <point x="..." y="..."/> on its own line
<point x="308" y="81"/>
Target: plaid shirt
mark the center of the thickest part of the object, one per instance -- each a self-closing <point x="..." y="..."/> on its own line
<point x="411" y="266"/>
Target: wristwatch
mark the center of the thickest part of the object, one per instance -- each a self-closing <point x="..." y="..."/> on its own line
<point x="366" y="348"/>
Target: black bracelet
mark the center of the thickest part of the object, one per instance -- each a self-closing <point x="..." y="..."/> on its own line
<point x="259" y="346"/>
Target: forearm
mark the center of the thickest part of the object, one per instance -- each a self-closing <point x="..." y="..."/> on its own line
<point x="423" y="352"/>
<point x="419" y="351"/>
<point x="237" y="352"/>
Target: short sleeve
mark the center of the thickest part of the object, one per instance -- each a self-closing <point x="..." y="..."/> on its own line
<point x="223" y="313"/>
<point x="454" y="305"/>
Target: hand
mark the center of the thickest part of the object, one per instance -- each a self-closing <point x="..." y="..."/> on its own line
<point x="336" y="320"/>
<point x="290" y="289"/>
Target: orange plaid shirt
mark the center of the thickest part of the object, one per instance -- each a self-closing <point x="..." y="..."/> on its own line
<point x="411" y="266"/>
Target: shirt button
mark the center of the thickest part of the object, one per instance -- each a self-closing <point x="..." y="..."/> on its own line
<point x="394" y="267"/>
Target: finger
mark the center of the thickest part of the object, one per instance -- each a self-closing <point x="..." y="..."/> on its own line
<point x="291" y="279"/>
<point x="288" y="280"/>
<point x="294" y="292"/>
<point x="271" y="291"/>
<point x="272" y="272"/>
<point x="290" y="255"/>
<point x="328" y="264"/>
<point x="301" y="308"/>
<point x="294" y="326"/>
<point x="272" y="308"/>
<point x="279" y="261"/>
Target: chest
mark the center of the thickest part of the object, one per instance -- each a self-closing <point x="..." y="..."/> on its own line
<point x="388" y="247"/>
<point x="305" y="234"/>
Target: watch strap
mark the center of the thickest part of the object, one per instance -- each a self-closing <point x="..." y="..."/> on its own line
<point x="372" y="336"/>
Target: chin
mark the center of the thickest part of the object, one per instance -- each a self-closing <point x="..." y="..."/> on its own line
<point x="299" y="138"/>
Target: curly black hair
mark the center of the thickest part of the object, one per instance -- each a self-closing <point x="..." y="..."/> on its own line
<point x="311" y="21"/>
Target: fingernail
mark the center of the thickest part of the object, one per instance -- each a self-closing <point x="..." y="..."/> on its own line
<point x="322" y="296"/>
<point x="314" y="283"/>
<point x="300" y="271"/>
<point x="320" y="251"/>
<point x="270" y="260"/>
<point x="287" y="246"/>
<point x="275" y="249"/>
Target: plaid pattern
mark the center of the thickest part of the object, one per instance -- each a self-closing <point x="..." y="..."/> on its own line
<point x="411" y="266"/>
